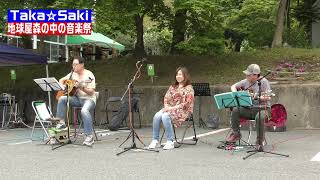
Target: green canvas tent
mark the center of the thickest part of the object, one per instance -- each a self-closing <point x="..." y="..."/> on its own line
<point x="94" y="38"/>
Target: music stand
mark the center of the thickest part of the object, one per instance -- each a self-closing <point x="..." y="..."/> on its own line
<point x="49" y="84"/>
<point x="201" y="89"/>
<point x="233" y="99"/>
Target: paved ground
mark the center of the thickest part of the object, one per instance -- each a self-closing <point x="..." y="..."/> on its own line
<point x="23" y="159"/>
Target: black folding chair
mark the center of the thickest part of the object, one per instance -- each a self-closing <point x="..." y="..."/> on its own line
<point x="188" y="123"/>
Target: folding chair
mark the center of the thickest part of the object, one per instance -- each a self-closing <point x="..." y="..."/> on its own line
<point x="43" y="115"/>
<point x="251" y="123"/>
<point x="188" y="123"/>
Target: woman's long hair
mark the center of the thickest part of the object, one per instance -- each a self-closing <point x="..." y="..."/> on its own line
<point x="185" y="74"/>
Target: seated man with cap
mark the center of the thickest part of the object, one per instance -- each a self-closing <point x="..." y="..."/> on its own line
<point x="251" y="84"/>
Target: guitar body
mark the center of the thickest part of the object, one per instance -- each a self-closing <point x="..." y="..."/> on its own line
<point x="72" y="89"/>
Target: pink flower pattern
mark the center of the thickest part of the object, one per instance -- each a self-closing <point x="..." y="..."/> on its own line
<point x="182" y="99"/>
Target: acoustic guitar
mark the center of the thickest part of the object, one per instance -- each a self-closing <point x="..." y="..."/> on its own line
<point x="72" y="87"/>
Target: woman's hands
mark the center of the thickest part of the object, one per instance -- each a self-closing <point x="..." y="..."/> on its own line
<point x="166" y="109"/>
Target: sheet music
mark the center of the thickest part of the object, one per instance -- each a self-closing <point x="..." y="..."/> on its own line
<point x="49" y="84"/>
<point x="231" y="99"/>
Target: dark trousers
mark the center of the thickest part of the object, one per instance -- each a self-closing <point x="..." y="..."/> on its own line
<point x="249" y="113"/>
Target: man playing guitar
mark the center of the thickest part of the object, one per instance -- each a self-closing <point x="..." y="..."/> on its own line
<point x="84" y="97"/>
<point x="252" y="76"/>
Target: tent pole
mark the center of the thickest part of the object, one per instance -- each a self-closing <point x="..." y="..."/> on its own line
<point x="49" y="97"/>
<point x="66" y="47"/>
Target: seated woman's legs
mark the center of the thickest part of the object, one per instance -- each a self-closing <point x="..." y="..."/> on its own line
<point x="156" y="125"/>
<point x="166" y="120"/>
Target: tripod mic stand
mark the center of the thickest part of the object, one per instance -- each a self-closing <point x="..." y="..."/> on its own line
<point x="133" y="133"/>
<point x="260" y="126"/>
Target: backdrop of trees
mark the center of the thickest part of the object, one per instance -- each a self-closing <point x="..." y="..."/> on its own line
<point x="197" y="27"/>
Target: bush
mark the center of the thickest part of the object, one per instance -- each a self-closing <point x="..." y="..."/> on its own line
<point x="298" y="37"/>
<point x="202" y="45"/>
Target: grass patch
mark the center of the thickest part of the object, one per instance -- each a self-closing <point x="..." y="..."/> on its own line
<point x="224" y="69"/>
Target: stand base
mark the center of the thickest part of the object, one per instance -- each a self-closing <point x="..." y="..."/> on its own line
<point x="64" y="144"/>
<point x="134" y="135"/>
<point x="134" y="146"/>
<point x="260" y="149"/>
<point x="233" y="145"/>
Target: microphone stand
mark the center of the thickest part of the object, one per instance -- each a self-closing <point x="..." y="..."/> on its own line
<point x="68" y="119"/>
<point x="258" y="81"/>
<point x="260" y="126"/>
<point x="133" y="133"/>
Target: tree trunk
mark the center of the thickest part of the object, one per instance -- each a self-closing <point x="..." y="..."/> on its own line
<point x="139" y="46"/>
<point x="179" y="29"/>
<point x="308" y="27"/>
<point x="277" y="38"/>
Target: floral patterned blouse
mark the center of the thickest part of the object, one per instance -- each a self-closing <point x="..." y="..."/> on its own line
<point x="183" y="99"/>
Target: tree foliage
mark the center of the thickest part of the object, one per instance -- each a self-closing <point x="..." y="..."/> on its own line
<point x="256" y="20"/>
<point x="197" y="27"/>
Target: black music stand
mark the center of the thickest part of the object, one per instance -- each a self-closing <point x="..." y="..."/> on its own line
<point x="201" y="89"/>
<point x="48" y="85"/>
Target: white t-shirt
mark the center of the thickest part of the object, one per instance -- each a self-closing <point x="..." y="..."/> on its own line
<point x="87" y="80"/>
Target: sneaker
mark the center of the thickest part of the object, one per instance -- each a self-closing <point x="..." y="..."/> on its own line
<point x="54" y="119"/>
<point x="233" y="137"/>
<point x="89" y="140"/>
<point x="53" y="141"/>
<point x="169" y="145"/>
<point x="153" y="144"/>
<point x="61" y="126"/>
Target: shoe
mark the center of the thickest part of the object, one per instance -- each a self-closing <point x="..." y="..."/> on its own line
<point x="233" y="137"/>
<point x="153" y="144"/>
<point x="169" y="145"/>
<point x="53" y="141"/>
<point x="61" y="126"/>
<point x="54" y="119"/>
<point x="89" y="140"/>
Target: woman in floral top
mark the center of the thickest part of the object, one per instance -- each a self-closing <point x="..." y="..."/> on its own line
<point x="178" y="105"/>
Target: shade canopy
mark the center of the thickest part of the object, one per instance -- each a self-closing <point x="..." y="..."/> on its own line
<point x="94" y="38"/>
<point x="13" y="56"/>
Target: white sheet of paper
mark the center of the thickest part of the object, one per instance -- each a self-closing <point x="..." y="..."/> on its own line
<point x="43" y="111"/>
<point x="316" y="157"/>
<point x="52" y="81"/>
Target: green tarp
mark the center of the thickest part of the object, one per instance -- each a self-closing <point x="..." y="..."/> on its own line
<point x="94" y="38"/>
